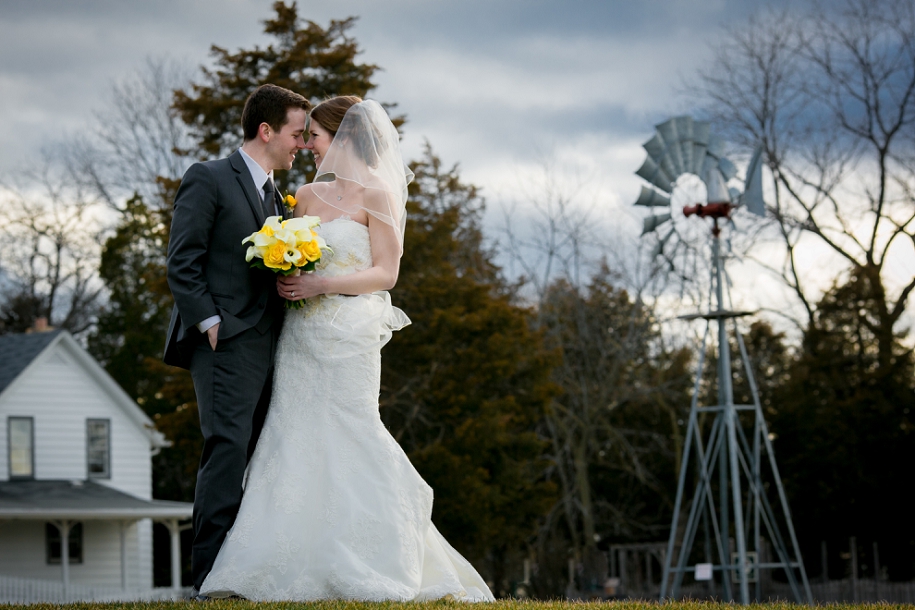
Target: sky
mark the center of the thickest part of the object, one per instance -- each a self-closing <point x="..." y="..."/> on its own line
<point x="504" y="88"/>
<point x="495" y="85"/>
<point x="491" y="84"/>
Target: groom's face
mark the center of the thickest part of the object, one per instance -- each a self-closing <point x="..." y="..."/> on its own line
<point x="285" y="143"/>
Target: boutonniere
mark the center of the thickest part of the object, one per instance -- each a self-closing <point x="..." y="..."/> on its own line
<point x="289" y="202"/>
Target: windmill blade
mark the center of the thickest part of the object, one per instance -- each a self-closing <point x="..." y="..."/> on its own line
<point x="668" y="131"/>
<point x="651" y="223"/>
<point x="655" y="175"/>
<point x="753" y="195"/>
<point x="658" y="249"/>
<point x="717" y="189"/>
<point x="715" y="146"/>
<point x="701" y="131"/>
<point x="656" y="148"/>
<point x="728" y="169"/>
<point x="652" y="198"/>
<point x="684" y="127"/>
<point x="699" y="151"/>
<point x="709" y="164"/>
<point x="685" y="132"/>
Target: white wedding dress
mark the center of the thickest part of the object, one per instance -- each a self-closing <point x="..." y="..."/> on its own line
<point x="332" y="507"/>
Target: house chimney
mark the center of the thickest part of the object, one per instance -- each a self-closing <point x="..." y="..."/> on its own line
<point x="41" y="324"/>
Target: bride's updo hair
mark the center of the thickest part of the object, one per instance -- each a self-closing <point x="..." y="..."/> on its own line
<point x="366" y="140"/>
<point x="331" y="111"/>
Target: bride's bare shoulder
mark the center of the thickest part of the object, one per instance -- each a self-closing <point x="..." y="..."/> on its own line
<point x="306" y="201"/>
<point x="306" y="191"/>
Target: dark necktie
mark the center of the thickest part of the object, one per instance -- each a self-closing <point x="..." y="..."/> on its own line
<point x="269" y="198"/>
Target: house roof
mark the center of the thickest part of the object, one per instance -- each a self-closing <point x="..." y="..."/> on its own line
<point x="81" y="500"/>
<point x="18" y="350"/>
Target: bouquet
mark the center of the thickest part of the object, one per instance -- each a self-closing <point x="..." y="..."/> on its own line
<point x="286" y="246"/>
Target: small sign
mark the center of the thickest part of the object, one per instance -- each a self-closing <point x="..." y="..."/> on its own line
<point x="752" y="572"/>
<point x="703" y="571"/>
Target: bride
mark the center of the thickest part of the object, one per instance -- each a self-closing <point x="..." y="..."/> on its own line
<point x="332" y="507"/>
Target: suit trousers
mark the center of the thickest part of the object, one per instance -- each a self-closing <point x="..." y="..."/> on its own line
<point x="233" y="384"/>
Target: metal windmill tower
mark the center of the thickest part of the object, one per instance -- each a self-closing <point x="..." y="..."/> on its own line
<point x="730" y="460"/>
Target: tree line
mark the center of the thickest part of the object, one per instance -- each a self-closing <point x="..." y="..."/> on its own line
<point x="548" y="412"/>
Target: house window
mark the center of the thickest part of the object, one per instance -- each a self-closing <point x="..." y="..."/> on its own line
<point x="98" y="444"/>
<point x="21" y="442"/>
<point x="74" y="543"/>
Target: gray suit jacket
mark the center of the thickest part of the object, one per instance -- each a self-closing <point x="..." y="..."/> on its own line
<point x="216" y="207"/>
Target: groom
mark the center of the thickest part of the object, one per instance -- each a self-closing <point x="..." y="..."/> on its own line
<point x="226" y="319"/>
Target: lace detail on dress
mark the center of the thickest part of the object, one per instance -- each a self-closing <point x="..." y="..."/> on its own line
<point x="290" y="493"/>
<point x="241" y="531"/>
<point x="365" y="538"/>
<point x="332" y="507"/>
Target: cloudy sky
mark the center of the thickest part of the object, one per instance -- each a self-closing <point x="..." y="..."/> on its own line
<point x="498" y="86"/>
<point x="492" y="84"/>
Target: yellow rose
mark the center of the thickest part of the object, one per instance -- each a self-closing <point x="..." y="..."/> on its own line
<point x="289" y="201"/>
<point x="275" y="256"/>
<point x="310" y="250"/>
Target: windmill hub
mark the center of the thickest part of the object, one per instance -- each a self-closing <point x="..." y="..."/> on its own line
<point x="684" y="146"/>
<point x="709" y="210"/>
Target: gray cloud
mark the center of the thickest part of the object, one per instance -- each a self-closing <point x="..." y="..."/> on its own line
<point x="490" y="84"/>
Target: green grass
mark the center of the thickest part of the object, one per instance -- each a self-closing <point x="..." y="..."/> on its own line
<point x="441" y="605"/>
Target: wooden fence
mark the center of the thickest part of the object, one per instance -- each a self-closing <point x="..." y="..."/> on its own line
<point x="832" y="591"/>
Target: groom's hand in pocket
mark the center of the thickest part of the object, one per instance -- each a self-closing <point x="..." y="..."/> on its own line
<point x="212" y="334"/>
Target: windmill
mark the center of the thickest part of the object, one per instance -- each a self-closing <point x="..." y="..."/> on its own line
<point x="728" y="459"/>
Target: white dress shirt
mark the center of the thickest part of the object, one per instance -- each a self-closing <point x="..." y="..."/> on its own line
<point x="259" y="176"/>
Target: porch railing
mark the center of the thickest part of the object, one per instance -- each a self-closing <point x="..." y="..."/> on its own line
<point x="16" y="590"/>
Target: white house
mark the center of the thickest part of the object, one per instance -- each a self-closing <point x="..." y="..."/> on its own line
<point x="76" y="506"/>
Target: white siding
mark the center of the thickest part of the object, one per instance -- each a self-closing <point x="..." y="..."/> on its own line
<point x="22" y="553"/>
<point x="60" y="395"/>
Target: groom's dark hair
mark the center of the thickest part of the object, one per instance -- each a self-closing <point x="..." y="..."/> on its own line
<point x="269" y="104"/>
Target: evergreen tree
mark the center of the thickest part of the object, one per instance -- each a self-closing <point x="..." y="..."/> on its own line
<point x="312" y="60"/>
<point x="132" y="324"/>
<point x="845" y="430"/>
<point x="130" y="335"/>
<point x="466" y="384"/>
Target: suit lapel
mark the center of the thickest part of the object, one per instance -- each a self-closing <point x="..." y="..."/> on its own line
<point x="243" y="176"/>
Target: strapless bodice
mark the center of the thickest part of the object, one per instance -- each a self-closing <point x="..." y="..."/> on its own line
<point x="345" y="325"/>
<point x="352" y="249"/>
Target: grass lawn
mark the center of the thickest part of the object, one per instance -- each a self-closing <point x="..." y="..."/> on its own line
<point x="499" y="605"/>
